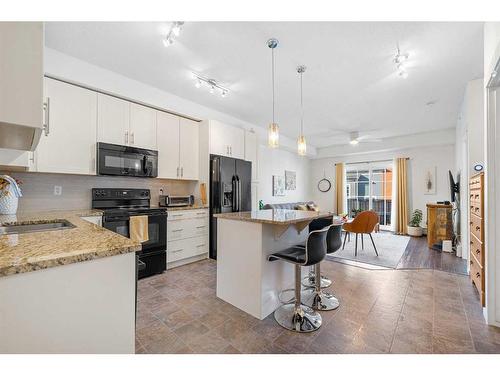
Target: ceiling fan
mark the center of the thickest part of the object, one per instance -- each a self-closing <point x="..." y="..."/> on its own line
<point x="355" y="138"/>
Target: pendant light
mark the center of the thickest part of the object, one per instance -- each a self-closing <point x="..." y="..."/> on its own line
<point x="301" y="141"/>
<point x="273" y="135"/>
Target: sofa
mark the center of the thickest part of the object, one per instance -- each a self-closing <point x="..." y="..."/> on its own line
<point x="314" y="225"/>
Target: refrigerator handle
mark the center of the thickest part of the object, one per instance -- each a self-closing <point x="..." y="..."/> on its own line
<point x="234" y="194"/>
<point x="239" y="192"/>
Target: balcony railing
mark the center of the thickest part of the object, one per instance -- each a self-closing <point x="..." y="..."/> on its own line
<point x="381" y="206"/>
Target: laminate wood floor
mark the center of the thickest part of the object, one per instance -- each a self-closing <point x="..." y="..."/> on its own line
<point x="417" y="255"/>
<point x="381" y="311"/>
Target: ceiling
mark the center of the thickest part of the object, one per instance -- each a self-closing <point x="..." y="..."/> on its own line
<point x="350" y="82"/>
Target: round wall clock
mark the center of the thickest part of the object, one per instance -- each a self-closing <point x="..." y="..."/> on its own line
<point x="324" y="185"/>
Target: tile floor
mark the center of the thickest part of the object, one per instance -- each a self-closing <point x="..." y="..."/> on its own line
<point x="382" y="311"/>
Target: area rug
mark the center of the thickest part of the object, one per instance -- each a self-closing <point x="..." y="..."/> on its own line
<point x="390" y="249"/>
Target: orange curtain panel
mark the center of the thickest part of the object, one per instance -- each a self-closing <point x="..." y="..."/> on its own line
<point x="401" y="195"/>
<point x="339" y="187"/>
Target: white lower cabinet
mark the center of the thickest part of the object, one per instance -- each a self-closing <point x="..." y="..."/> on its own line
<point x="187" y="236"/>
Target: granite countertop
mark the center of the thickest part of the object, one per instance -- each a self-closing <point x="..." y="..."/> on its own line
<point x="33" y="251"/>
<point x="278" y="216"/>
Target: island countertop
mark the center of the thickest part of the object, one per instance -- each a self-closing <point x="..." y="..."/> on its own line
<point x="28" y="252"/>
<point x="276" y="216"/>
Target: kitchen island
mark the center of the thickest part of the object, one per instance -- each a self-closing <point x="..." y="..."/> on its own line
<point x="69" y="290"/>
<point x="245" y="278"/>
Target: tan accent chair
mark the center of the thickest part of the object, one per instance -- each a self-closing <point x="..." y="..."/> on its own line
<point x="364" y="223"/>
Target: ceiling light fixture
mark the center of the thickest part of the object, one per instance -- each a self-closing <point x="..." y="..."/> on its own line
<point x="354" y="138"/>
<point x="273" y="136"/>
<point x="174" y="32"/>
<point x="212" y="84"/>
<point x="301" y="141"/>
<point x="400" y="61"/>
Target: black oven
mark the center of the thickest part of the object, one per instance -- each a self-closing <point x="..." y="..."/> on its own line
<point x="116" y="160"/>
<point x="118" y="206"/>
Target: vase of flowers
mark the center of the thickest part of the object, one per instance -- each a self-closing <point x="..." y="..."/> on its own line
<point x="10" y="192"/>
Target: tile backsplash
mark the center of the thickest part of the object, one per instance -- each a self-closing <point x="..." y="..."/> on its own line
<point x="38" y="189"/>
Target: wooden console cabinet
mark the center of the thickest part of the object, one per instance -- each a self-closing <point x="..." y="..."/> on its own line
<point x="476" y="233"/>
<point x="439" y="223"/>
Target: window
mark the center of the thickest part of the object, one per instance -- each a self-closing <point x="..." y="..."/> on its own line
<point x="369" y="187"/>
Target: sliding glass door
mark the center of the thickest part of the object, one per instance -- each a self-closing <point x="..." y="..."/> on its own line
<point x="369" y="187"/>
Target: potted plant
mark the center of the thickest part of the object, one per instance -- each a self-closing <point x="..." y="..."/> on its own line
<point x="414" y="229"/>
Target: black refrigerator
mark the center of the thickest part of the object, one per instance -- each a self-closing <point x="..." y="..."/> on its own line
<point x="230" y="191"/>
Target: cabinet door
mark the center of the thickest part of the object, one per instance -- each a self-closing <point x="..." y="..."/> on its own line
<point x="236" y="142"/>
<point x="219" y="144"/>
<point x="21" y="73"/>
<point x="70" y="145"/>
<point x="142" y="127"/>
<point x="189" y="149"/>
<point x="113" y="120"/>
<point x="251" y="145"/>
<point x="168" y="145"/>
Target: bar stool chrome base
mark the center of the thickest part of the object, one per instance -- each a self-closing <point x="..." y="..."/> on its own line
<point x="310" y="281"/>
<point x="322" y="301"/>
<point x="301" y="319"/>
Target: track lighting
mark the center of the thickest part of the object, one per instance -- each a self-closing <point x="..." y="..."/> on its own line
<point x="174" y="32"/>
<point x="212" y="84"/>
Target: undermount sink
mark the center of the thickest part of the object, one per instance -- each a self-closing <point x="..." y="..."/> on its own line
<point x="41" y="226"/>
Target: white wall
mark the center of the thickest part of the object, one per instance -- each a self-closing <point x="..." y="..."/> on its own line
<point x="492" y="193"/>
<point x="421" y="158"/>
<point x="275" y="162"/>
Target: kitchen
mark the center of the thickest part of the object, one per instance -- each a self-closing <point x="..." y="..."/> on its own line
<point x="165" y="158"/>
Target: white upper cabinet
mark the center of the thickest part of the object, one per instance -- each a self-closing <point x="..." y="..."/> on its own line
<point x="21" y="83"/>
<point x="251" y="145"/>
<point x="113" y="120"/>
<point x="227" y="140"/>
<point x="178" y="147"/>
<point x="189" y="149"/>
<point x="69" y="143"/>
<point x="168" y="145"/>
<point x="142" y="127"/>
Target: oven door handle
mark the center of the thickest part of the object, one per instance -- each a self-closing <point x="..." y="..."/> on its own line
<point x="111" y="219"/>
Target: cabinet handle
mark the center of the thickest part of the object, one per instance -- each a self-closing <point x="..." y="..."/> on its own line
<point x="32" y="157"/>
<point x="126" y="137"/>
<point x="177" y="215"/>
<point x="46" y="125"/>
<point x="182" y="171"/>
<point x="177" y="251"/>
<point x="177" y="171"/>
<point x="177" y="230"/>
<point x="201" y="226"/>
<point x="200" y="245"/>
<point x="200" y="213"/>
<point x="132" y="138"/>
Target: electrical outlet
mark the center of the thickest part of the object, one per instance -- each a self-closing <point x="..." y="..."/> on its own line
<point x="57" y="190"/>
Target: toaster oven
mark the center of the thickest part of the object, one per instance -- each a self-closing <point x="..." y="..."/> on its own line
<point x="176" y="200"/>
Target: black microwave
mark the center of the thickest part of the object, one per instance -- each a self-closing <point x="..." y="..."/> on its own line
<point x="117" y="160"/>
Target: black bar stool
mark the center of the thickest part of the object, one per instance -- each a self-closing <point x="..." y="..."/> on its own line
<point x="295" y="316"/>
<point x="333" y="244"/>
<point x="316" y="298"/>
